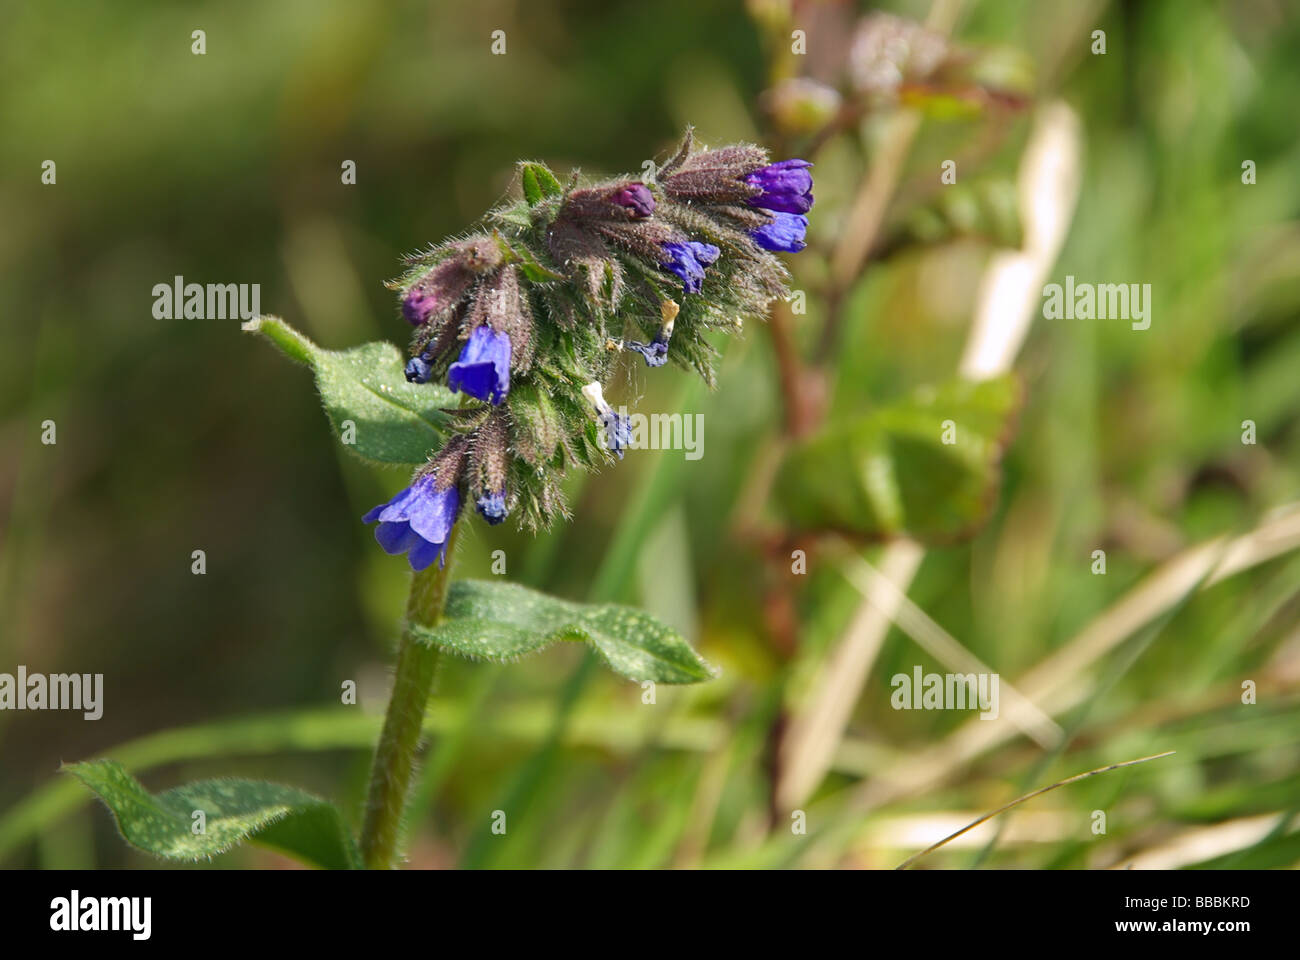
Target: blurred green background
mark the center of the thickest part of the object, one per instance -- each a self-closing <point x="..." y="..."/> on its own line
<point x="177" y="435"/>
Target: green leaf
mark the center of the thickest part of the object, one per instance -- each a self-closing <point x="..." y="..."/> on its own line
<point x="534" y="270"/>
<point x="538" y="428"/>
<point x="391" y="421"/>
<point x="891" y="472"/>
<point x="538" y="182"/>
<point x="300" y="825"/>
<point x="529" y="264"/>
<point x="498" y="621"/>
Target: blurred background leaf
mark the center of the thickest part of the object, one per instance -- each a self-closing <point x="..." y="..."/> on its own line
<point x="926" y="466"/>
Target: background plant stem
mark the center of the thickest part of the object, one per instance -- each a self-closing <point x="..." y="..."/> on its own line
<point x="394" y="765"/>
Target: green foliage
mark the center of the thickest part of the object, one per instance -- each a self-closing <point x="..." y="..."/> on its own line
<point x="538" y="182"/>
<point x="394" y="422"/>
<point x="986" y="208"/>
<point x="926" y="466"/>
<point x="498" y="621"/>
<point x="520" y="254"/>
<point x="539" y="428"/>
<point x="298" y="824"/>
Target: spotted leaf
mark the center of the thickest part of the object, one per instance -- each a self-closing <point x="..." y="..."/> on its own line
<point x="199" y="820"/>
<point x="503" y="621"/>
<point x="376" y="414"/>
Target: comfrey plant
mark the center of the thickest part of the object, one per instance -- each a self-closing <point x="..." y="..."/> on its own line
<point x="527" y="317"/>
<point x="517" y="329"/>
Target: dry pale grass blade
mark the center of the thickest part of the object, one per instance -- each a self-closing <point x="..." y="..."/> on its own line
<point x="1011" y="291"/>
<point x="1207" y="564"/>
<point x="1048" y="184"/>
<point x="1199" y="844"/>
<point x="1060" y="682"/>
<point x="814" y="734"/>
<point x="945" y="648"/>
<point x="912" y="830"/>
<point x="1028" y="796"/>
<point x="872" y="200"/>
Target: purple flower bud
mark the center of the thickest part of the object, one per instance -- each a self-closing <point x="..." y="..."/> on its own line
<point x="688" y="260"/>
<point x="786" y="186"/>
<point x="711" y="177"/>
<point x="446" y="284"/>
<point x="418" y="370"/>
<point x="489" y="461"/>
<point x="637" y="198"/>
<point x="785" y="233"/>
<point x="483" y="370"/>
<point x="418" y="305"/>
<point x="417" y="521"/>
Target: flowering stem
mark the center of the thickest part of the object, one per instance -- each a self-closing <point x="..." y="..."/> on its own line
<point x="394" y="764"/>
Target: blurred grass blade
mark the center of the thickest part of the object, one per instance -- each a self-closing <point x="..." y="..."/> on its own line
<point x="1262" y="842"/>
<point x="1054" y="684"/>
<point x="943" y="646"/>
<point x="659" y="488"/>
<point x="328" y="729"/>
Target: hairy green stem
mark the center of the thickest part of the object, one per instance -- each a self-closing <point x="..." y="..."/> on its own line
<point x="394" y="764"/>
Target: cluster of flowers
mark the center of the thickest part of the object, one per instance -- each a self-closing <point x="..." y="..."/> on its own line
<point x="519" y="317"/>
